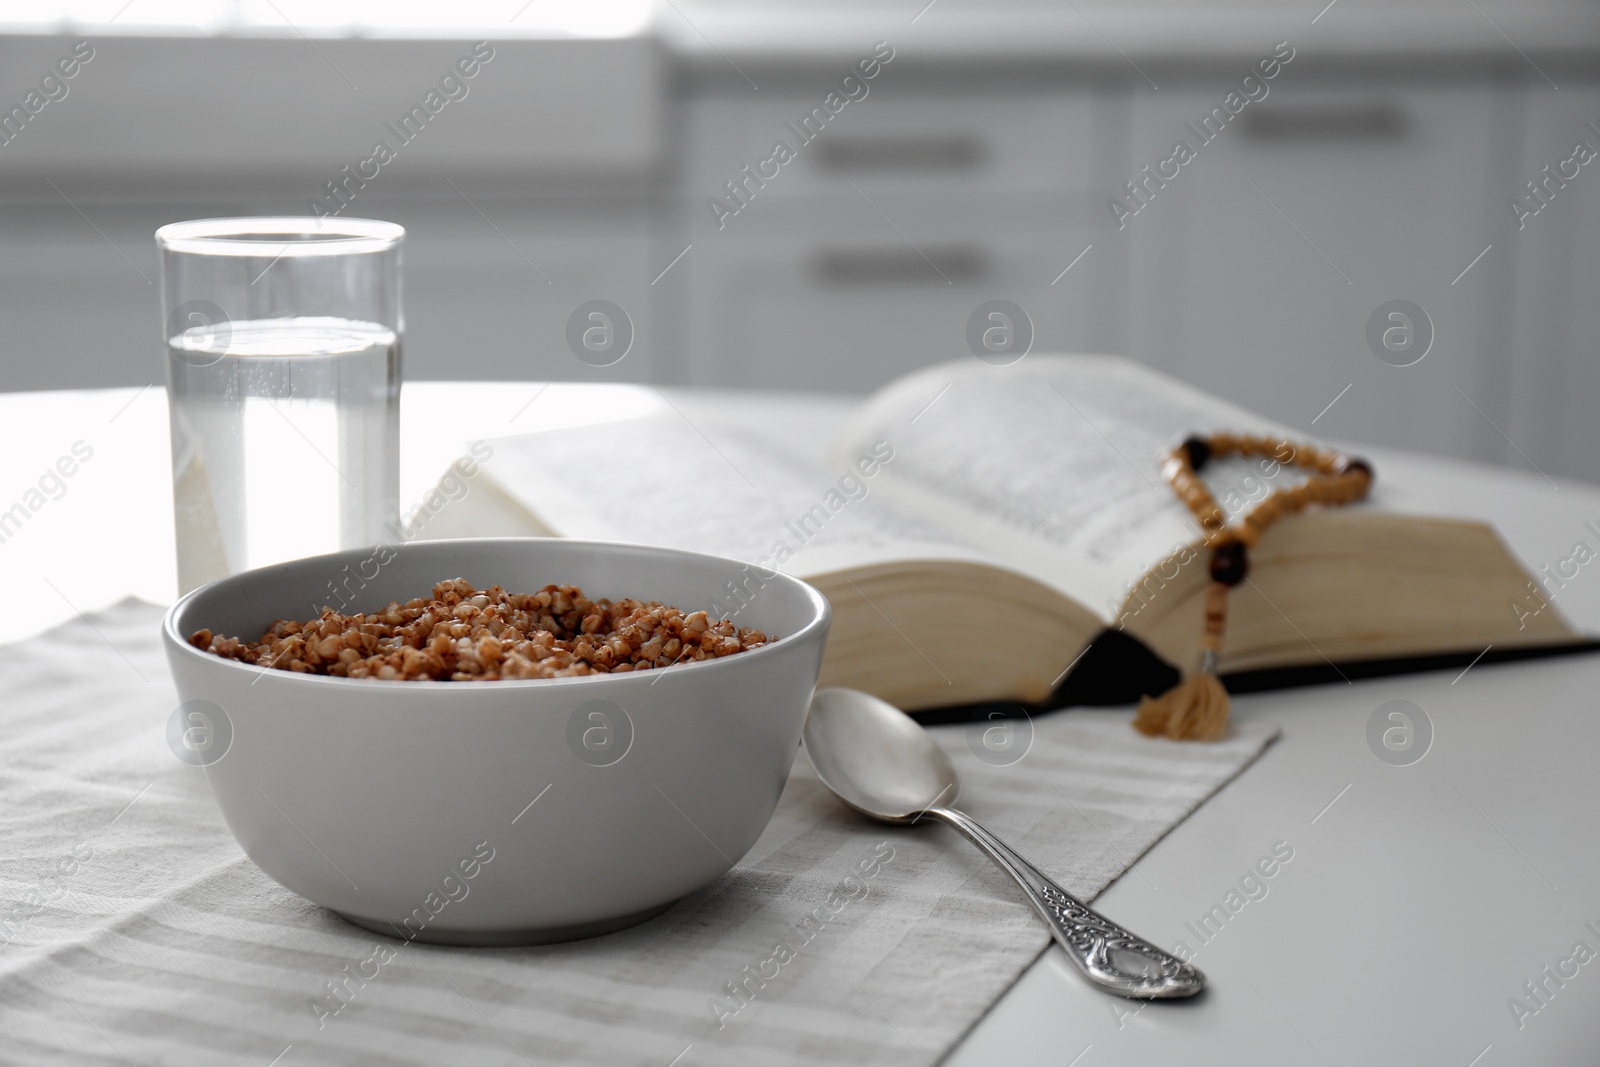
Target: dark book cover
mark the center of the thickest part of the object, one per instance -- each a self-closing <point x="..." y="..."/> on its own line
<point x="1117" y="669"/>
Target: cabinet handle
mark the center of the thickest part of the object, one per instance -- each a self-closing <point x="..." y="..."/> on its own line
<point x="895" y="266"/>
<point x="900" y="153"/>
<point x="1326" y="122"/>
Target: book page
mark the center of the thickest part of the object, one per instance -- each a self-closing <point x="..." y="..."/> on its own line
<point x="1053" y="464"/>
<point x="719" y="479"/>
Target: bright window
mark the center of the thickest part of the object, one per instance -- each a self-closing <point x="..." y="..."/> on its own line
<point x="332" y="18"/>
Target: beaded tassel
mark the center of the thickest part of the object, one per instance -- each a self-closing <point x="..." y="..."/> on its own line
<point x="1196" y="709"/>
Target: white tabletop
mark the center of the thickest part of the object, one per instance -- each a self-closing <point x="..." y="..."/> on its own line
<point x="1417" y="903"/>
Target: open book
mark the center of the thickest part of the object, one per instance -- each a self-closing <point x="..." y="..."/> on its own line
<point x="978" y="529"/>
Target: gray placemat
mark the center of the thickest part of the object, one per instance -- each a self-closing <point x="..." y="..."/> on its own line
<point x="133" y="929"/>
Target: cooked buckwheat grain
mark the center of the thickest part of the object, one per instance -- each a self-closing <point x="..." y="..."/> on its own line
<point x="466" y="635"/>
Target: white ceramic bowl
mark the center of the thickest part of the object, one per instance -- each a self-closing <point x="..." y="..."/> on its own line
<point x="405" y="806"/>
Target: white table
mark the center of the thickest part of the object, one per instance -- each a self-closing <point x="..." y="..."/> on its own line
<point x="1418" y="901"/>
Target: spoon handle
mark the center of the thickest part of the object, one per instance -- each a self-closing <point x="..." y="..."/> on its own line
<point x="1108" y="955"/>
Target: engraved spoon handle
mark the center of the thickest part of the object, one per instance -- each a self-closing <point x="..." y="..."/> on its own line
<point x="1108" y="955"/>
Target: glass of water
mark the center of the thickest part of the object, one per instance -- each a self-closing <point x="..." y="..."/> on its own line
<point x="283" y="381"/>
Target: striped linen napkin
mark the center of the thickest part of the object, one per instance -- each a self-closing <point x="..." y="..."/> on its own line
<point x="133" y="929"/>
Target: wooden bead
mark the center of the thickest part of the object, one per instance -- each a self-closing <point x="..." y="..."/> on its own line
<point x="1359" y="467"/>
<point x="1230" y="564"/>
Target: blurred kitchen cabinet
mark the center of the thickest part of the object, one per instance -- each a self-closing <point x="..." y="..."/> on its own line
<point x="81" y="307"/>
<point x="489" y="296"/>
<point x="903" y="136"/>
<point x="1256" y="269"/>
<point x="845" y="303"/>
<point x="556" y="146"/>
<point x="864" y="256"/>
<point x="1554" y="354"/>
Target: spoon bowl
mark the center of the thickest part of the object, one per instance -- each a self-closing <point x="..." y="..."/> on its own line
<point x="875" y="757"/>
<point x="879" y="761"/>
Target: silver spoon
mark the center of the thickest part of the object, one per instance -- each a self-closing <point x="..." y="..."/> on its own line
<point x="879" y="761"/>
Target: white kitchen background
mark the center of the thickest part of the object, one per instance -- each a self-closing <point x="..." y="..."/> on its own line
<point x="1381" y="165"/>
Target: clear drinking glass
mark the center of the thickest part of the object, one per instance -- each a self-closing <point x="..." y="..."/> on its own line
<point x="283" y="380"/>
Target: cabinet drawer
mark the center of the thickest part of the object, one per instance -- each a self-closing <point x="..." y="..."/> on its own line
<point x="848" y="303"/>
<point x="489" y="299"/>
<point x="893" y="138"/>
<point x="1259" y="266"/>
